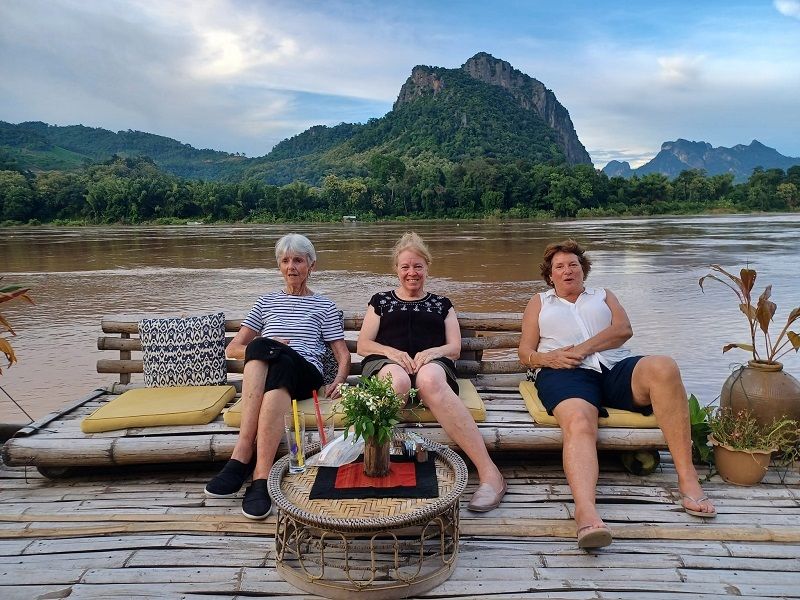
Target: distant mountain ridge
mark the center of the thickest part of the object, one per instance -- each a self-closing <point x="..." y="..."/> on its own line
<point x="680" y="155"/>
<point x="41" y="146"/>
<point x="486" y="109"/>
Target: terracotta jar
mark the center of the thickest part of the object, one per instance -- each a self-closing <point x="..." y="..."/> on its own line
<point x="740" y="467"/>
<point x="765" y="389"/>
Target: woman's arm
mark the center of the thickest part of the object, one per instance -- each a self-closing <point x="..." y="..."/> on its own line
<point x="529" y="355"/>
<point x="342" y="355"/>
<point x="452" y="344"/>
<point x="613" y="336"/>
<point x="367" y="344"/>
<point x="239" y="343"/>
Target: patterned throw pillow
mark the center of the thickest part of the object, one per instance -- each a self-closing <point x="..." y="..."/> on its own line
<point x="329" y="365"/>
<point x="181" y="352"/>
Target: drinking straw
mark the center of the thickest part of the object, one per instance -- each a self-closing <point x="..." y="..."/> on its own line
<point x="320" y="423"/>
<point x="297" y="437"/>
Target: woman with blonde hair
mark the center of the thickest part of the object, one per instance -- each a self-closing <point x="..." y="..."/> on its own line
<point x="413" y="335"/>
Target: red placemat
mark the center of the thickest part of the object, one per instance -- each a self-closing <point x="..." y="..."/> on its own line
<point x="406" y="479"/>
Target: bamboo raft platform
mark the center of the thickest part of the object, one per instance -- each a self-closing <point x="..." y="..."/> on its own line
<point x="56" y="442"/>
<point x="149" y="532"/>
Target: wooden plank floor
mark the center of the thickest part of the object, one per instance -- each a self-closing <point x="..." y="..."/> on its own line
<point x="150" y="532"/>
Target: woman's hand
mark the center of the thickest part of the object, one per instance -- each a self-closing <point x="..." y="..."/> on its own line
<point x="423" y="357"/>
<point x="403" y="359"/>
<point x="563" y="358"/>
<point x="332" y="390"/>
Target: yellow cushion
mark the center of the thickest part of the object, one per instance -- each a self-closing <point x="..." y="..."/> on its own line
<point x="467" y="393"/>
<point x="616" y="417"/>
<point x="149" y="407"/>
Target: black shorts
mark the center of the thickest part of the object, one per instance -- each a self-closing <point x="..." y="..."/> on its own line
<point x="375" y="362"/>
<point x="287" y="368"/>
<point x="611" y="388"/>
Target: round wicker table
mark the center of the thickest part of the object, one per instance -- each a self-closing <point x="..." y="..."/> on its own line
<point x="381" y="548"/>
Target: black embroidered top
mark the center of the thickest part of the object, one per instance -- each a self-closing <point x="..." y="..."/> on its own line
<point x="411" y="325"/>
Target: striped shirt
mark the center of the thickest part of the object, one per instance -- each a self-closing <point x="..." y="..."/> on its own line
<point x="306" y="321"/>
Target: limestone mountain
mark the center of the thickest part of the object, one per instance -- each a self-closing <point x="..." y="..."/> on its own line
<point x="485" y="109"/>
<point x="681" y="155"/>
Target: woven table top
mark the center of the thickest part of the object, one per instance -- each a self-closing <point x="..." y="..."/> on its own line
<point x="290" y="493"/>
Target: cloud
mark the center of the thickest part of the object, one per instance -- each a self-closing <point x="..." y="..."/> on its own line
<point x="681" y="71"/>
<point x="240" y="75"/>
<point x="790" y="8"/>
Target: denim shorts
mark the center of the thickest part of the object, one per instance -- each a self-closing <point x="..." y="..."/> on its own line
<point x="609" y="389"/>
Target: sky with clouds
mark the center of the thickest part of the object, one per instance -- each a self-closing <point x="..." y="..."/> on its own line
<point x="241" y="75"/>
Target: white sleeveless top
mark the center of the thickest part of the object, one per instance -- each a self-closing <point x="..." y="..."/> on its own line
<point x="562" y="323"/>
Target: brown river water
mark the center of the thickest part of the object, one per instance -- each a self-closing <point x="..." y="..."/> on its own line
<point x="79" y="275"/>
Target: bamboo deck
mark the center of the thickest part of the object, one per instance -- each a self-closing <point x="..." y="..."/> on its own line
<point x="149" y="532"/>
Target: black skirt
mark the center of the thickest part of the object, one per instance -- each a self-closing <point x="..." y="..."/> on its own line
<point x="287" y="368"/>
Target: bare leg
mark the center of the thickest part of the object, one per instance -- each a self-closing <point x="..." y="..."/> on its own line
<point x="657" y="380"/>
<point x="401" y="382"/>
<point x="578" y="421"/>
<point x="270" y="429"/>
<point x="255" y="374"/>
<point x="262" y="419"/>
<point x="456" y="421"/>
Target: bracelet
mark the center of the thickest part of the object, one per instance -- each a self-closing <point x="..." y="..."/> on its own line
<point x="530" y="363"/>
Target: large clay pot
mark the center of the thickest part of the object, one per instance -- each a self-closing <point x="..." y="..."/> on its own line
<point x="763" y="388"/>
<point x="376" y="457"/>
<point x="740" y="467"/>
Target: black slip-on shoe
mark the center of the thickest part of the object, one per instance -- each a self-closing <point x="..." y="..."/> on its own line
<point x="229" y="481"/>
<point x="256" y="503"/>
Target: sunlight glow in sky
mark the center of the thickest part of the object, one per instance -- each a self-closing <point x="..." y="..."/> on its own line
<point x="241" y="75"/>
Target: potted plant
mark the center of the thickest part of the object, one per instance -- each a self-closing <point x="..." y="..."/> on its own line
<point x="372" y="408"/>
<point x="743" y="447"/>
<point x="761" y="386"/>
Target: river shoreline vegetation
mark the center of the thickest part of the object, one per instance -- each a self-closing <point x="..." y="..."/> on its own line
<point x="134" y="190"/>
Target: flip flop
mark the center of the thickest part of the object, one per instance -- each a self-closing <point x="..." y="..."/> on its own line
<point x="698" y="501"/>
<point x="594" y="537"/>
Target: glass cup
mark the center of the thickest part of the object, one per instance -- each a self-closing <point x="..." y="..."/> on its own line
<point x="328" y="420"/>
<point x="295" y="442"/>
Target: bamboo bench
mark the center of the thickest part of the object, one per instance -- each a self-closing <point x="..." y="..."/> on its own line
<point x="488" y="359"/>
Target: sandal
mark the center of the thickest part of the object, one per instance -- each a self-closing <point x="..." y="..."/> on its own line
<point x="592" y="536"/>
<point x="699" y="501"/>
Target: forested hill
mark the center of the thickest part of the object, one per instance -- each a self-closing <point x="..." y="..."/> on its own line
<point x="38" y="146"/>
<point x="485" y="109"/>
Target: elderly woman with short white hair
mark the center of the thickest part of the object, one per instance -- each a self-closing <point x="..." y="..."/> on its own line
<point x="282" y="341"/>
